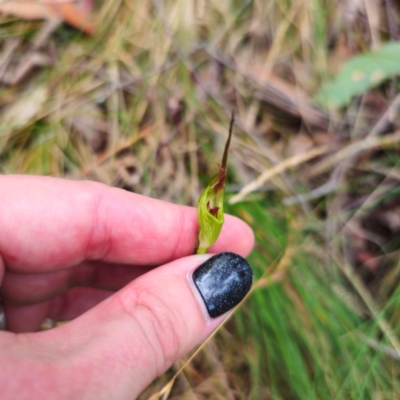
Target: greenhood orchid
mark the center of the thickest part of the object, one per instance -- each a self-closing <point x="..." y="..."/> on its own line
<point x="210" y="207"/>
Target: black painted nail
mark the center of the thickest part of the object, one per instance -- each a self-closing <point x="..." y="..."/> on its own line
<point x="223" y="281"/>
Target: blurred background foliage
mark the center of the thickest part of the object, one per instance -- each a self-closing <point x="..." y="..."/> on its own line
<point x="144" y="103"/>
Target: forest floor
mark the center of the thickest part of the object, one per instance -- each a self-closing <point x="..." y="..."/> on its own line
<point x="142" y="99"/>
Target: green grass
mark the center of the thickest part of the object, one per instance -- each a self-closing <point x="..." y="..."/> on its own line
<point x="307" y="342"/>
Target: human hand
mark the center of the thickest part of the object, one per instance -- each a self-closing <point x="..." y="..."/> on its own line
<point x="65" y="248"/>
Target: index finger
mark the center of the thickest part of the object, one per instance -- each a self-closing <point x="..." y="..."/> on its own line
<point x="49" y="223"/>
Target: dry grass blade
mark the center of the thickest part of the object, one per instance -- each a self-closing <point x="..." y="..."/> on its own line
<point x="110" y="154"/>
<point x="380" y="347"/>
<point x="365" y="295"/>
<point x="354" y="149"/>
<point x="10" y="47"/>
<point x="279" y="271"/>
<point x="165" y="391"/>
<point x="277" y="169"/>
<point x="22" y="112"/>
<point x="373" y="14"/>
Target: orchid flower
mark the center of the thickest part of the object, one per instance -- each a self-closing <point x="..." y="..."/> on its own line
<point x="210" y="207"/>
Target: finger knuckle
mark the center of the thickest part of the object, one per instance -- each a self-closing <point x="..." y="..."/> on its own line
<point x="162" y="326"/>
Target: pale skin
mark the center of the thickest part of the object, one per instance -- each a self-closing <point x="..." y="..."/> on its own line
<point x="114" y="263"/>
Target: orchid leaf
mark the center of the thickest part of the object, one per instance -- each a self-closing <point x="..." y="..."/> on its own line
<point x="210" y="207"/>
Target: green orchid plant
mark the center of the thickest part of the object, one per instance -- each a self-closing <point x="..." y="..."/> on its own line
<point x="210" y="207"/>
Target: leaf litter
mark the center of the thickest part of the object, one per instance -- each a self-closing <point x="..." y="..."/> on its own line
<point x="74" y="12"/>
<point x="141" y="107"/>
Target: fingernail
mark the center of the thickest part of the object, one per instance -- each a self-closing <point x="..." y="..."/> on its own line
<point x="223" y="281"/>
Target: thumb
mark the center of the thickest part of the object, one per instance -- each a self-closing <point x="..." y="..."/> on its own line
<point x="117" y="348"/>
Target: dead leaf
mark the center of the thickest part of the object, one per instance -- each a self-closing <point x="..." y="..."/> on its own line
<point x="74" y="12"/>
<point x="26" y="9"/>
<point x="75" y="16"/>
